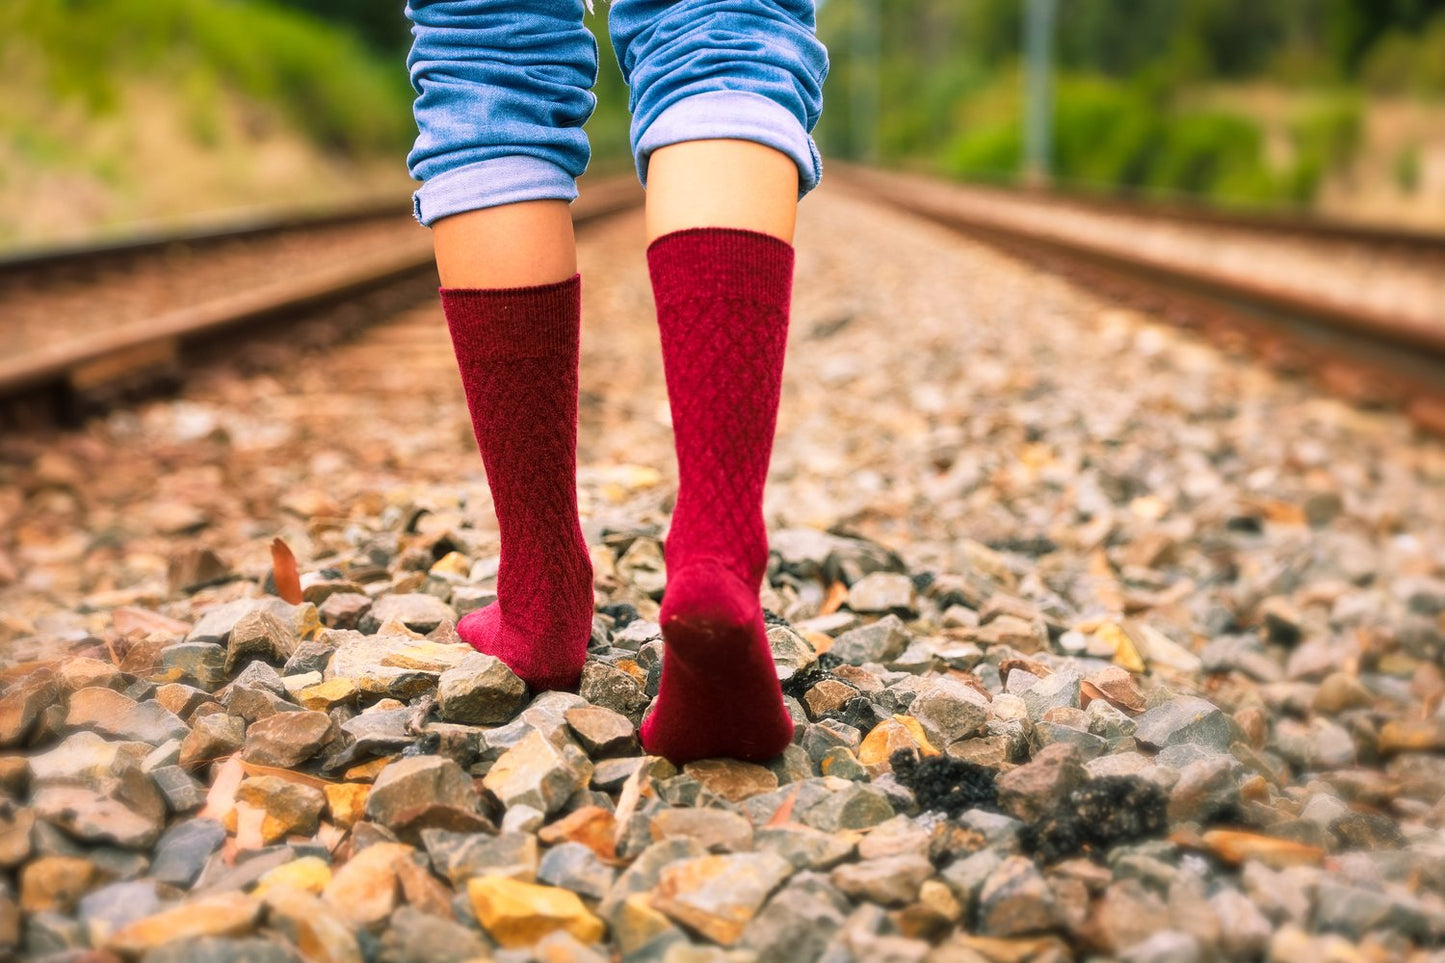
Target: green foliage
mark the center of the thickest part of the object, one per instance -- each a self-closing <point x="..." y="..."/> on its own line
<point x="1408" y="63"/>
<point x="1128" y="74"/>
<point x="1407" y="169"/>
<point x="318" y="77"/>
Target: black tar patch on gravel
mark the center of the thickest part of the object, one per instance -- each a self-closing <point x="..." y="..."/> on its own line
<point x="1102" y="813"/>
<point x="952" y="786"/>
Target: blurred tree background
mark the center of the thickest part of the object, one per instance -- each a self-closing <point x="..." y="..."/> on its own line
<point x="118" y="112"/>
<point x="1240" y="102"/>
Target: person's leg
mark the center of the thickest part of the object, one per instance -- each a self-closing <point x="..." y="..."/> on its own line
<point x="721" y="183"/>
<point x="504" y="89"/>
<point x="512" y="245"/>
<point x="723" y="96"/>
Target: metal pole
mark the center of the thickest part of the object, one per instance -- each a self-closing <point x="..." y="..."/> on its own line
<point x="1038" y="90"/>
<point x="866" y="51"/>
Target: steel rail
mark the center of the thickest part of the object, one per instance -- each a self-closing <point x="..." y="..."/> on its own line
<point x="84" y="362"/>
<point x="1373" y="356"/>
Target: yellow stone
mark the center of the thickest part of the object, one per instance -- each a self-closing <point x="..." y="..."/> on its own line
<point x="1125" y="652"/>
<point x="54" y="883"/>
<point x="519" y="914"/>
<point x="890" y="735"/>
<point x="309" y="874"/>
<point x="347" y="802"/>
<point x="227" y="914"/>
<point x="940" y="899"/>
<point x="425" y="656"/>
<point x="368" y="771"/>
<point x="324" y="696"/>
<point x="452" y="563"/>
<point x="731" y="779"/>
<point x="364" y="890"/>
<point x="635" y="923"/>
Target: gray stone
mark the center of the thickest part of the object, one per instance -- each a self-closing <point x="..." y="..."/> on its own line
<point x="1166" y="946"/>
<point x="949" y="711"/>
<point x="1184" y="719"/>
<point x="575" y="867"/>
<point x="804" y="846"/>
<point x="200" y="663"/>
<point x="717" y="830"/>
<point x="1357" y="910"/>
<point x="882" y="592"/>
<point x="112" y="714"/>
<point x="878" y="642"/>
<point x="408" y="785"/>
<point x="375" y="732"/>
<point x="612" y="688"/>
<point x="1207" y="788"/>
<point x="82" y="757"/>
<point x="213" y="949"/>
<point x="391" y="665"/>
<point x="462" y="856"/>
<point x="1032" y="790"/>
<point x="212" y="737"/>
<point x="345" y="610"/>
<point x="1016" y="900"/>
<point x="413" y="936"/>
<point x="111" y="907"/>
<point x="966" y="875"/>
<point x="480" y="690"/>
<point x="796" y="924"/>
<point x="288" y="739"/>
<point x="603" y="733"/>
<point x="890" y="880"/>
<point x="1060" y="690"/>
<point x="23" y="702"/>
<point x="819" y="737"/>
<point x="791" y="652"/>
<point x="538" y="773"/>
<point x="856" y="806"/>
<point x="416" y="610"/>
<point x="260" y="635"/>
<point x="719" y="895"/>
<point x="183" y="849"/>
<point x="1244" y="931"/>
<point x="182" y="793"/>
<point x="642" y="875"/>
<point x="309" y="656"/>
<point x="216" y="623"/>
<point x="101" y="817"/>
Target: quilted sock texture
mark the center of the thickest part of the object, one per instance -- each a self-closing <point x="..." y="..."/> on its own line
<point x="723" y="297"/>
<point x="517" y="351"/>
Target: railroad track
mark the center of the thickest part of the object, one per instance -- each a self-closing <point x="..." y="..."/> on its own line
<point x="1373" y="353"/>
<point x="59" y="367"/>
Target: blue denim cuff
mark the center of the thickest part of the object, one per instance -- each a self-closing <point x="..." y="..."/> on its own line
<point x="735" y="114"/>
<point x="489" y="183"/>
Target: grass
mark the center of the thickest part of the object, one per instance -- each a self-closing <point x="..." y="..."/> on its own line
<point x="318" y="77"/>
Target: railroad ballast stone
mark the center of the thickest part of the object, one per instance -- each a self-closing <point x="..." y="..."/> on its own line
<point x="1107" y="645"/>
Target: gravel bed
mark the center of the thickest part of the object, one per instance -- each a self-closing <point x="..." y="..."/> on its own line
<point x="1099" y="644"/>
<point x="62" y="304"/>
<point x="1395" y="281"/>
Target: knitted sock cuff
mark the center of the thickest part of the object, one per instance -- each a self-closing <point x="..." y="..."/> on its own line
<point x="729" y="263"/>
<point x="521" y="322"/>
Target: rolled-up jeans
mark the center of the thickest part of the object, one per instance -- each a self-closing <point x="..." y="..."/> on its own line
<point x="504" y="87"/>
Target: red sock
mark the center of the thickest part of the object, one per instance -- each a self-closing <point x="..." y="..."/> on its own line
<point x="517" y="351"/>
<point x="723" y="296"/>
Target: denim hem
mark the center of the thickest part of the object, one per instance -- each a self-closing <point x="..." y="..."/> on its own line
<point x="734" y="114"/>
<point x="490" y="183"/>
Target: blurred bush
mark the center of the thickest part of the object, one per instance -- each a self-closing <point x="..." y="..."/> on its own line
<point x="322" y="79"/>
<point x="1239" y="102"/>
